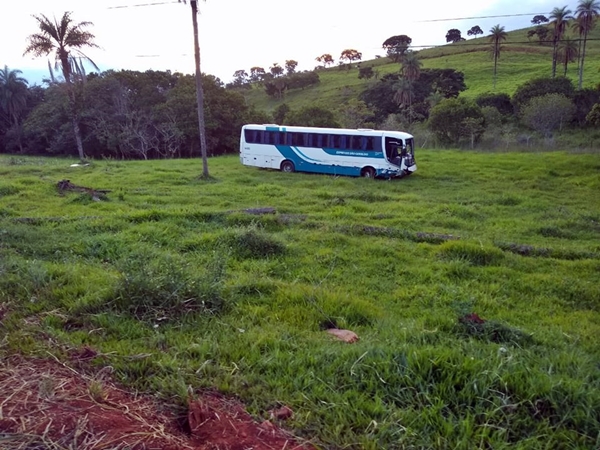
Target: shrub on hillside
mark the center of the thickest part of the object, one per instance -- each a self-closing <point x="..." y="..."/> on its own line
<point x="541" y="86"/>
<point x="593" y="118"/>
<point x="456" y="118"/>
<point x="547" y="113"/>
<point x="499" y="101"/>
<point x="584" y="101"/>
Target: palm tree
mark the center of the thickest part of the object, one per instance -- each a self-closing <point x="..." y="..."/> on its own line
<point x="199" y="88"/>
<point x="65" y="39"/>
<point x="560" y="17"/>
<point x="411" y="66"/>
<point x="579" y="28"/>
<point x="568" y="52"/>
<point x="587" y="14"/>
<point x="13" y="98"/>
<point x="404" y="92"/>
<point x="497" y="35"/>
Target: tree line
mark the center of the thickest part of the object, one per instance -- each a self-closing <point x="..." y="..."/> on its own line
<point x="122" y="114"/>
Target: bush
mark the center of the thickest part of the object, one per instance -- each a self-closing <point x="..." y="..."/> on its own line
<point x="539" y="87"/>
<point x="593" y="118"/>
<point x="547" y="113"/>
<point x="366" y="72"/>
<point x="584" y="101"/>
<point x="499" y="101"/>
<point x="453" y="119"/>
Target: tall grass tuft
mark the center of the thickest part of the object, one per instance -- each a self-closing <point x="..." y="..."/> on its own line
<point x="251" y="243"/>
<point x="478" y="255"/>
<point x="153" y="285"/>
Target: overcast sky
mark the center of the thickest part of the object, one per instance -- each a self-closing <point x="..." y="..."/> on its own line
<point x="239" y="34"/>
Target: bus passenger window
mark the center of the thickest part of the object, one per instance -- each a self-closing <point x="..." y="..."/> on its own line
<point x="369" y="144"/>
<point x="318" y="140"/>
<point x="307" y="140"/>
<point x="363" y="142"/>
<point x="296" y="139"/>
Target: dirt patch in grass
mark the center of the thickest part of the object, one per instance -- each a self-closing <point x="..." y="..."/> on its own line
<point x="47" y="404"/>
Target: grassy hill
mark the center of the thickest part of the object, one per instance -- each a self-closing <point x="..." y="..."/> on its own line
<point x="520" y="61"/>
<point x="174" y="285"/>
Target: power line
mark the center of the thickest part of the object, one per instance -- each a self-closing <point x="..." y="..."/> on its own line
<point x="480" y="17"/>
<point x="503" y="44"/>
<point x="141" y="5"/>
<point x="453" y="45"/>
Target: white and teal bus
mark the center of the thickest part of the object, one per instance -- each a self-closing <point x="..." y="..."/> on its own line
<point x="365" y="153"/>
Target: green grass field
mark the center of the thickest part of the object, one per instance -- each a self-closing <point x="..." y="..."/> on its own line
<point x="177" y="286"/>
<point x="520" y="61"/>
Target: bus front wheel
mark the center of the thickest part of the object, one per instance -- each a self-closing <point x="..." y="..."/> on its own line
<point x="287" y="166"/>
<point x="368" y="172"/>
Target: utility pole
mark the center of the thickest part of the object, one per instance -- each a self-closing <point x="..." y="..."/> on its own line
<point x="199" y="90"/>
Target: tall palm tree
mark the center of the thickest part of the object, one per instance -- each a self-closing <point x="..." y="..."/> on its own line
<point x="404" y="92"/>
<point x="411" y="66"/>
<point x="560" y="17"/>
<point x="65" y="39"/>
<point x="497" y="35"/>
<point x="13" y="98"/>
<point x="568" y="52"/>
<point x="587" y="13"/>
<point x="199" y="88"/>
<point x="579" y="28"/>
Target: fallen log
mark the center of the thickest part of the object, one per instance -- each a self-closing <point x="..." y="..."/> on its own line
<point x="95" y="194"/>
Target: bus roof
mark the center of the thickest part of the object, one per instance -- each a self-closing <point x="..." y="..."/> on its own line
<point x="362" y="131"/>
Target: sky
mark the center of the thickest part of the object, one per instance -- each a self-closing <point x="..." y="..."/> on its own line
<point x="240" y="34"/>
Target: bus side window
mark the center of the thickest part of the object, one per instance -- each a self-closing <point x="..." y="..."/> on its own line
<point x="337" y="141"/>
<point x="296" y="139"/>
<point x="276" y="138"/>
<point x="368" y="143"/>
<point x="307" y="142"/>
<point x="318" y="140"/>
<point x="260" y="137"/>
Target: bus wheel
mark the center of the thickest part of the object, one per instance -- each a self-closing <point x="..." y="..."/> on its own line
<point x="287" y="166"/>
<point x="368" y="172"/>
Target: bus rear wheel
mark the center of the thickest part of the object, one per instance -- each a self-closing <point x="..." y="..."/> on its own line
<point x="288" y="166"/>
<point x="368" y="172"/>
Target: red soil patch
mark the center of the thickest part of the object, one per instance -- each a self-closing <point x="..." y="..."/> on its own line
<point x="46" y="404"/>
